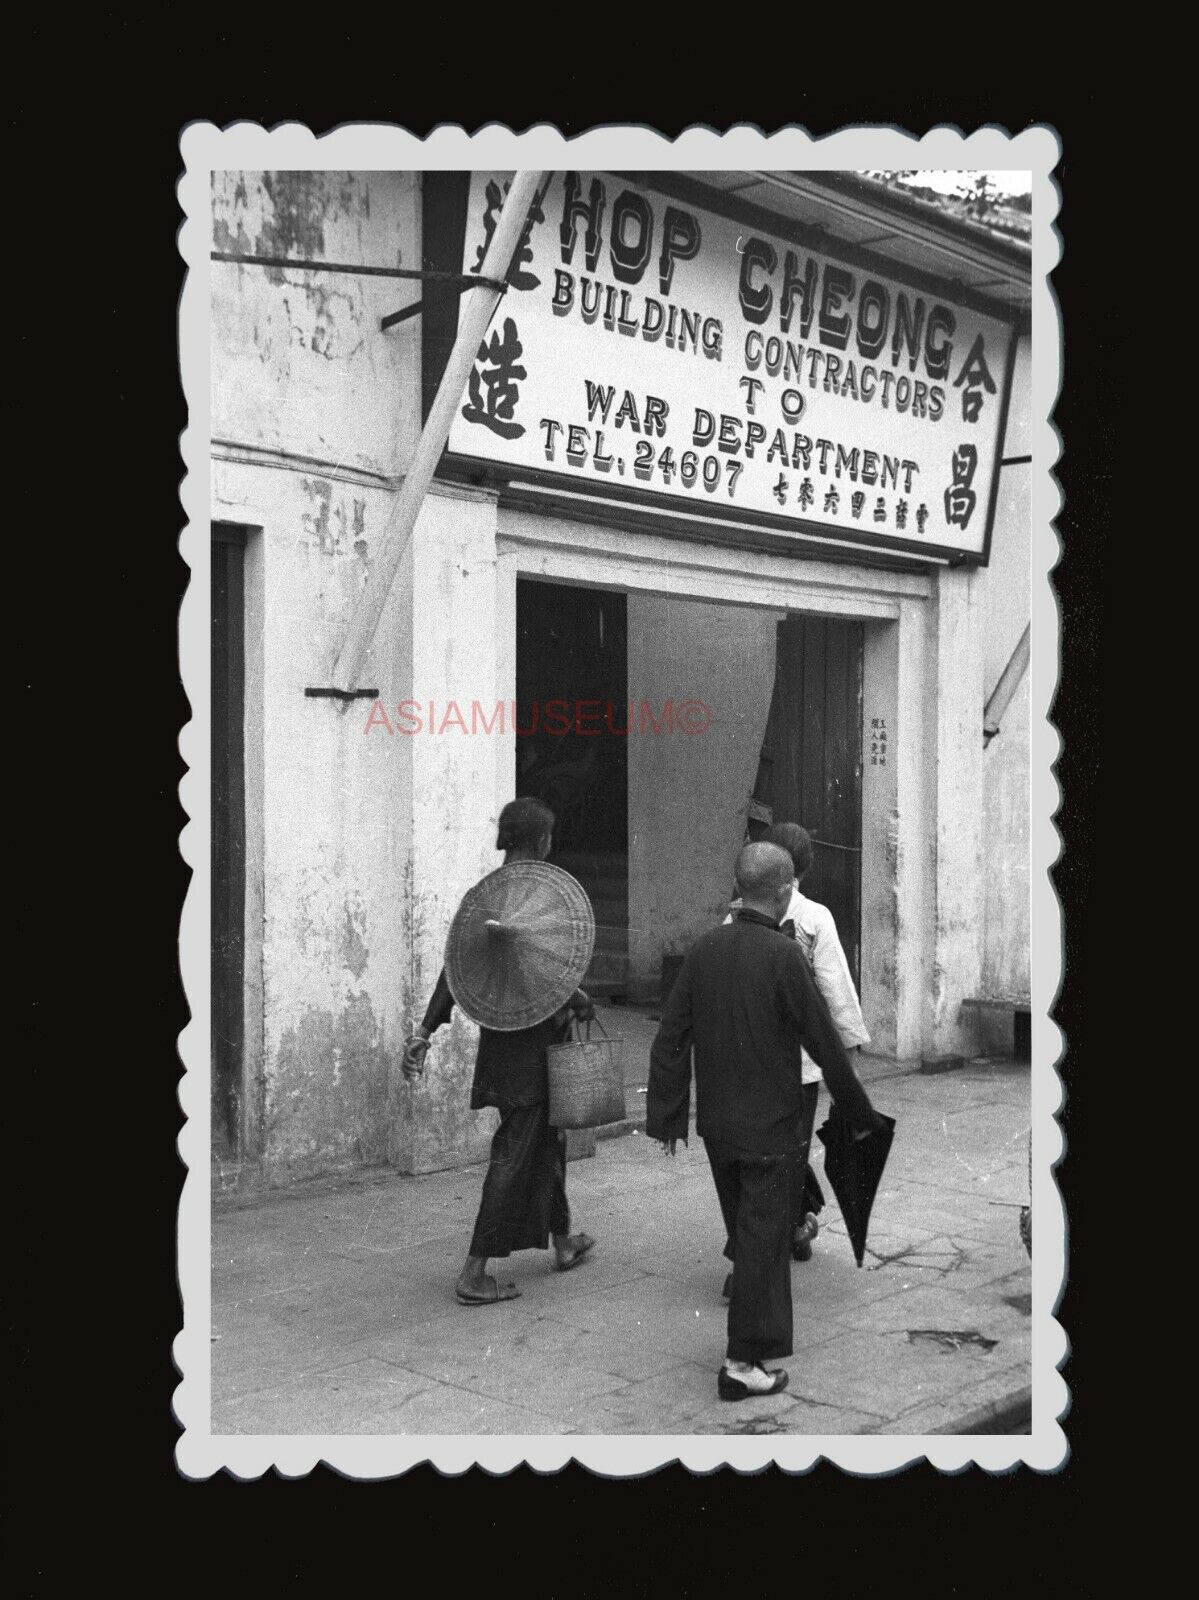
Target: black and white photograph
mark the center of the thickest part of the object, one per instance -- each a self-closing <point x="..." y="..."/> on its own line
<point x="620" y="946"/>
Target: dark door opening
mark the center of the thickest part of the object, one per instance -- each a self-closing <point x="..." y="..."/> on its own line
<point x="811" y="766"/>
<point x="571" y="665"/>
<point x="228" y="835"/>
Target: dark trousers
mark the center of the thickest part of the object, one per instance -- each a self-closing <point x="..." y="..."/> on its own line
<point x="806" y="1194"/>
<point x="524" y="1192"/>
<point x="803" y="1191"/>
<point x="754" y="1195"/>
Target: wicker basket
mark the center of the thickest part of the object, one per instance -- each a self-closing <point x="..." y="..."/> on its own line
<point x="586" y="1080"/>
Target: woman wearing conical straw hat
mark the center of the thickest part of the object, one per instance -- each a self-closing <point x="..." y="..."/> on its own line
<point x="523" y="1205"/>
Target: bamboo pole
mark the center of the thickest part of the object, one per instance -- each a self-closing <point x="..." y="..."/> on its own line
<point x="1009" y="682"/>
<point x="478" y="306"/>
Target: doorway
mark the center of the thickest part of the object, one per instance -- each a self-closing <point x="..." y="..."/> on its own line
<point x="811" y="764"/>
<point x="228" y="859"/>
<point x="571" y="666"/>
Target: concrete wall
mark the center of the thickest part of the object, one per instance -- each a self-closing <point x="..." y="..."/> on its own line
<point x="327" y="833"/>
<point x="449" y="603"/>
<point x="359" y="845"/>
<point x="314" y="414"/>
<point x="689" y="794"/>
<point x="299" y="366"/>
<point x="1006" y="782"/>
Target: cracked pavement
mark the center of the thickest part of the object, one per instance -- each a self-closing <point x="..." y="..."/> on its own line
<point x="333" y="1308"/>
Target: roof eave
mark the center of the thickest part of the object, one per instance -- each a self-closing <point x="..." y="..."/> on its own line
<point x="985" y="248"/>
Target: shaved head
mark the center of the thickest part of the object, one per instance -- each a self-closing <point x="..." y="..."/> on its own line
<point x="764" y="871"/>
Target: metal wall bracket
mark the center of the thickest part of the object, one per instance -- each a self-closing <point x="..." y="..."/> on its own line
<point x="457" y="282"/>
<point x="341" y="694"/>
<point x="461" y="282"/>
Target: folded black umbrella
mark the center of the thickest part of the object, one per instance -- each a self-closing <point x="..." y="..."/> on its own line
<point x="854" y="1169"/>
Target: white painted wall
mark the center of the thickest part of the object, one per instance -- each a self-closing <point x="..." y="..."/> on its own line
<point x="360" y="845"/>
<point x="299" y="365"/>
<point x="1005" y="586"/>
<point x="327" y="830"/>
<point x="314" y="412"/>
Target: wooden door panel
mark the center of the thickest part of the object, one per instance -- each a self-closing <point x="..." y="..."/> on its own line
<point x="811" y="767"/>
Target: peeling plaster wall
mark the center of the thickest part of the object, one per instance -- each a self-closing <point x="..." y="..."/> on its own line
<point x="448" y="597"/>
<point x="688" y="794"/>
<point x="955" y="739"/>
<point x="1006" y="776"/>
<point x="982" y="928"/>
<point x="360" y="844"/>
<point x="314" y="409"/>
<point x="299" y="364"/>
<point x="331" y="827"/>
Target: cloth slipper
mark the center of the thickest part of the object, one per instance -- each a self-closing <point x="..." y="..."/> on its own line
<point x="730" y="1387"/>
<point x="587" y="1244"/>
<point x="511" y="1292"/>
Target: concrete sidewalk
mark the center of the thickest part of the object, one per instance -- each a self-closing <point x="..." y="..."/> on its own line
<point x="333" y="1308"/>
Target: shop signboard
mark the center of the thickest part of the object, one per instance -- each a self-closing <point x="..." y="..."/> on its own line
<point x="653" y="352"/>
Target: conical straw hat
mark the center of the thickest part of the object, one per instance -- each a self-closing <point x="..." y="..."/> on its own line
<point x="519" y="945"/>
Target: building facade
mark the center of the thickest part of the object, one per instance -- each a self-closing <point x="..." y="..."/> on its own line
<point x="620" y="526"/>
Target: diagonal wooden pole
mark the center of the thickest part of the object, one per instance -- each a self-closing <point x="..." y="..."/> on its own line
<point x="1009" y="682"/>
<point x="477" y="308"/>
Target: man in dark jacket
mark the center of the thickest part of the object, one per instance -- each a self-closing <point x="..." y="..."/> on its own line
<point x="744" y="1004"/>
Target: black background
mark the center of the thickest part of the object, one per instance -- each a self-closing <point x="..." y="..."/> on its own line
<point x="93" y="1302"/>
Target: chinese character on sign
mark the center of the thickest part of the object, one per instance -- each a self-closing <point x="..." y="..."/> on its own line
<point x="857" y="501"/>
<point x="880" y="510"/>
<point x="806" y="494"/>
<point x="960" y="497"/>
<point x="901" y="514"/>
<point x="976" y="375"/>
<point x="495" y="200"/>
<point x="499" y="358"/>
<point x="831" y="501"/>
<point x="878" y="741"/>
<point x="921" y="517"/>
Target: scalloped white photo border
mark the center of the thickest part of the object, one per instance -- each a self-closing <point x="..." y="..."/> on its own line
<point x="366" y="146"/>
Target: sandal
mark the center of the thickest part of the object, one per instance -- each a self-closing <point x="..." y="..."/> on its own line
<point x="584" y="1243"/>
<point x="510" y="1292"/>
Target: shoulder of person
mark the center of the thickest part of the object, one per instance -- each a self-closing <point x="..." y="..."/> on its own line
<point x="790" y="953"/>
<point x="815" y="916"/>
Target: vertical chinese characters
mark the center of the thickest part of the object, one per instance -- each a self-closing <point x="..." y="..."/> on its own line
<point x="960" y="497"/>
<point x="499" y="359"/>
<point x="518" y="278"/>
<point x="976" y="376"/>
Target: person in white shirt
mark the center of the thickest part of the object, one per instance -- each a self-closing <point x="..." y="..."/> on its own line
<point x="816" y="934"/>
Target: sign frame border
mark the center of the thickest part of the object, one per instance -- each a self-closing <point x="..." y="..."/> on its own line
<point x="666" y="511"/>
